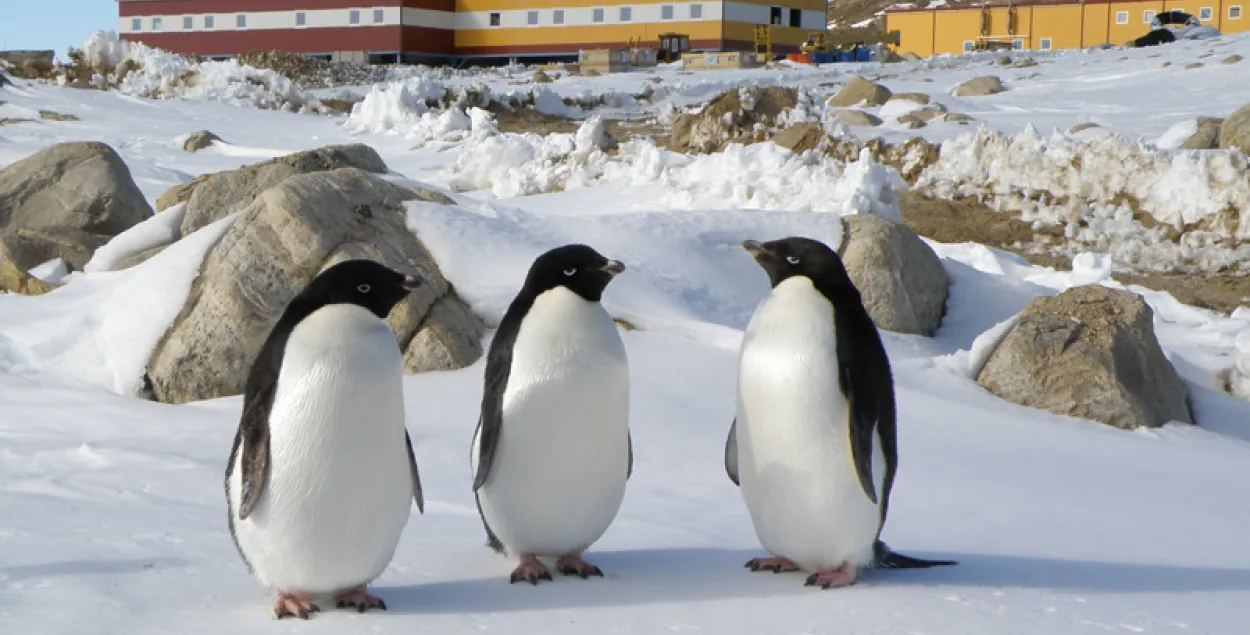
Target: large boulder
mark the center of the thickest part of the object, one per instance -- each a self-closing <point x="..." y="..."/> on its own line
<point x="65" y="201"/>
<point x="1089" y="352"/>
<point x="212" y="197"/>
<point x="275" y="246"/>
<point x="1235" y="131"/>
<point x="852" y="117"/>
<point x="731" y="117"/>
<point x="860" y="90"/>
<point x="1206" y="136"/>
<point x="800" y="138"/>
<point x="900" y="278"/>
<point x="978" y="86"/>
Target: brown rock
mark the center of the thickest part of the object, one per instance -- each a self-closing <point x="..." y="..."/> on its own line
<point x="919" y="98"/>
<point x="200" y="140"/>
<point x="1082" y="126"/>
<point x="1231" y="59"/>
<point x="1235" y="131"/>
<point x="541" y="78"/>
<point x="800" y="138"/>
<point x="860" y="90"/>
<point x="1207" y="137"/>
<point x="979" y="86"/>
<point x="853" y="117"/>
<point x="900" y="278"/>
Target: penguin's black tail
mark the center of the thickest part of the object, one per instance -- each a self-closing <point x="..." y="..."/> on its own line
<point x="884" y="558"/>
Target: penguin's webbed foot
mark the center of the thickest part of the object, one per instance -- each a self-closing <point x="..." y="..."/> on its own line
<point x="840" y="577"/>
<point x="530" y="570"/>
<point x="293" y="604"/>
<point x="776" y="565"/>
<point x="357" y="598"/>
<point x="575" y="565"/>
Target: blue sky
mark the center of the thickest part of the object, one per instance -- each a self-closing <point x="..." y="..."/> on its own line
<point x="53" y="24"/>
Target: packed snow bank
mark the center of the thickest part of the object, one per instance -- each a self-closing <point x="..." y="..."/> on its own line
<point x="159" y="229"/>
<point x="100" y="328"/>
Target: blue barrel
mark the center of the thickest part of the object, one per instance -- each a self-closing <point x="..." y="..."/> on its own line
<point x="844" y="56"/>
<point x="864" y="54"/>
<point x="822" y="58"/>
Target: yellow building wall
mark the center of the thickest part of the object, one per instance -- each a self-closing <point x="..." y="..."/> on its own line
<point x="745" y="31"/>
<point x="1094" y="31"/>
<point x="1235" y="26"/>
<point x="1060" y="23"/>
<point x="953" y="28"/>
<point x="608" y="33"/>
<point x="915" y="31"/>
<point x="1121" y="33"/>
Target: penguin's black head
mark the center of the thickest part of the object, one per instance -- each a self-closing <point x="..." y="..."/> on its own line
<point x="797" y="256"/>
<point x="578" y="268"/>
<point x="365" y="283"/>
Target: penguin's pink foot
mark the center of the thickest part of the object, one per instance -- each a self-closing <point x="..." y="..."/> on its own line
<point x="529" y="570"/>
<point x="776" y="565"/>
<point x="357" y="598"/>
<point x="575" y="565"/>
<point x="293" y="604"/>
<point x="842" y="576"/>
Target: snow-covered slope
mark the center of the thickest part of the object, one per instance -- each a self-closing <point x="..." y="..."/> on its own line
<point x="112" y="514"/>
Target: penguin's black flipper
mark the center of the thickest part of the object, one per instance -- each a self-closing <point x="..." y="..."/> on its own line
<point x="417" y="494"/>
<point x="884" y="558"/>
<point x="731" y="453"/>
<point x="492" y="540"/>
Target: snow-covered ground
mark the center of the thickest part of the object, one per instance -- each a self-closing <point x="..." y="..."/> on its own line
<point x="112" y="514"/>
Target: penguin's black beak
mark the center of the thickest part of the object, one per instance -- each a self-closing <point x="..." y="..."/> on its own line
<point x="614" y="267"/>
<point x="411" y="283"/>
<point x="755" y="248"/>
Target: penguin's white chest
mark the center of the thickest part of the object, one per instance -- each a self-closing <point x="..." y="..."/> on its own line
<point x="340" y="486"/>
<point x="795" y="466"/>
<point x="559" y="471"/>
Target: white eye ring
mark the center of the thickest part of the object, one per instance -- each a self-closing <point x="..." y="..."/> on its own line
<point x="792" y="260"/>
<point x="364" y="288"/>
<point x="569" y="272"/>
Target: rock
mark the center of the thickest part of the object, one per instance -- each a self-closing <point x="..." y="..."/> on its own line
<point x="1207" y="137"/>
<point x="655" y="80"/>
<point x="1235" y="131"/>
<point x="1025" y="62"/>
<point x="541" y="78"/>
<point x="800" y="138"/>
<point x="978" y="86"/>
<point x="919" y="98"/>
<point x="13" y="279"/>
<point x="1166" y="64"/>
<point x="1082" y="126"/>
<point x="911" y="57"/>
<point x="860" y="90"/>
<point x="1088" y="352"/>
<point x="65" y="201"/>
<point x="590" y="72"/>
<point x="901" y="280"/>
<point x="276" y="245"/>
<point x="726" y="119"/>
<point x="200" y="140"/>
<point x="1004" y="60"/>
<point x="911" y="122"/>
<point x="138" y="258"/>
<point x="48" y="115"/>
<point x="214" y="196"/>
<point x="957" y="117"/>
<point x="857" y="118"/>
<point x="1231" y="59"/>
<point x="1193" y="65"/>
<point x="924" y="115"/>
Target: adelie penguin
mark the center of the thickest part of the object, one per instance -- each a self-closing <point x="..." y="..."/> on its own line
<point x="322" y="476"/>
<point x="551" y="453"/>
<point x="813" y="446"/>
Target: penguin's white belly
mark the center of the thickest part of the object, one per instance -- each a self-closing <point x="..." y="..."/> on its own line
<point x="340" y="486"/>
<point x="560" y="467"/>
<point x="796" y="469"/>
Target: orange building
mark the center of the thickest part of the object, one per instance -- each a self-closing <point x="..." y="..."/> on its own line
<point x="1049" y="26"/>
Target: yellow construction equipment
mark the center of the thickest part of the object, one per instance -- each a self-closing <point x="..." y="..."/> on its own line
<point x="672" y="45"/>
<point x="764" y="40"/>
<point x="816" y="43"/>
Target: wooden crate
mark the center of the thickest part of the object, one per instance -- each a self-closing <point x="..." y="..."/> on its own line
<point x="718" y="61"/>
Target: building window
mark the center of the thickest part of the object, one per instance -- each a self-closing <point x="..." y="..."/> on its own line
<point x="136" y="24"/>
<point x="240" y="21"/>
<point x="774" y="15"/>
<point x="627" y="14"/>
<point x="156" y="24"/>
<point x="1147" y="15"/>
<point x="968" y="46"/>
<point x="1234" y="12"/>
<point x="379" y="16"/>
<point x="1017" y="45"/>
<point x="1121" y="17"/>
<point x="557" y="16"/>
<point x="353" y="16"/>
<point x="696" y="11"/>
<point x="666" y="12"/>
<point x="208" y="21"/>
<point x="188" y="23"/>
<point x="796" y="18"/>
<point x="1206" y="13"/>
<point x="494" y="19"/>
<point x="1045" y="44"/>
<point x="531" y="18"/>
<point x="596" y="15"/>
<point x="301" y="19"/>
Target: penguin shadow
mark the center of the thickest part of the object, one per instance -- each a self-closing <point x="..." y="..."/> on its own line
<point x="1088" y="576"/>
<point x="88" y="567"/>
<point x="634" y="577"/>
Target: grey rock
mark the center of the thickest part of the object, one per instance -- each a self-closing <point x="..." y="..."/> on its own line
<point x="860" y="90"/>
<point x="1207" y="136"/>
<point x="200" y="140"/>
<point x="900" y="278"/>
<point x="978" y="86"/>
<point x="1089" y="352"/>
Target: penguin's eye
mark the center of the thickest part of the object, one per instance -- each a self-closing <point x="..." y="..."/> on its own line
<point x="570" y="271"/>
<point x="794" y="260"/>
<point x="364" y="288"/>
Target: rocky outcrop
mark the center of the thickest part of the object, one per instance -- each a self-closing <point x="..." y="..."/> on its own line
<point x="900" y="278"/>
<point x="16" y="280"/>
<point x="1235" y="131"/>
<point x="277" y="244"/>
<point x="1206" y="137"/>
<point x="541" y="78"/>
<point x="214" y="196"/>
<point x="1089" y="352"/>
<point x="978" y="86"/>
<point x="731" y="118"/>
<point x="860" y="90"/>
<point x="800" y="138"/>
<point x="200" y="140"/>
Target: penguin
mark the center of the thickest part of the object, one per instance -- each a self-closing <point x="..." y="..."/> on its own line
<point x="552" y="451"/>
<point x="813" y="445"/>
<point x="322" y="473"/>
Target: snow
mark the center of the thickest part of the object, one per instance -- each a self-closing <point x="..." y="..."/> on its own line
<point x="114" y="514"/>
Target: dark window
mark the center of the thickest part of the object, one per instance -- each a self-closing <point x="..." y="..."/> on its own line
<point x="494" y="19"/>
<point x="208" y="21"/>
<point x="188" y="23"/>
<point x="300" y="19"/>
<point x="774" y="15"/>
<point x="796" y="18"/>
<point x="378" y="16"/>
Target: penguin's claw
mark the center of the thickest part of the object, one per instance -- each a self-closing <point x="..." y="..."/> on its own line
<point x="293" y="604"/>
<point x="776" y="565"/>
<point x="840" y="577"/>
<point x="529" y="570"/>
<point x="358" y="599"/>
<point x="575" y="565"/>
